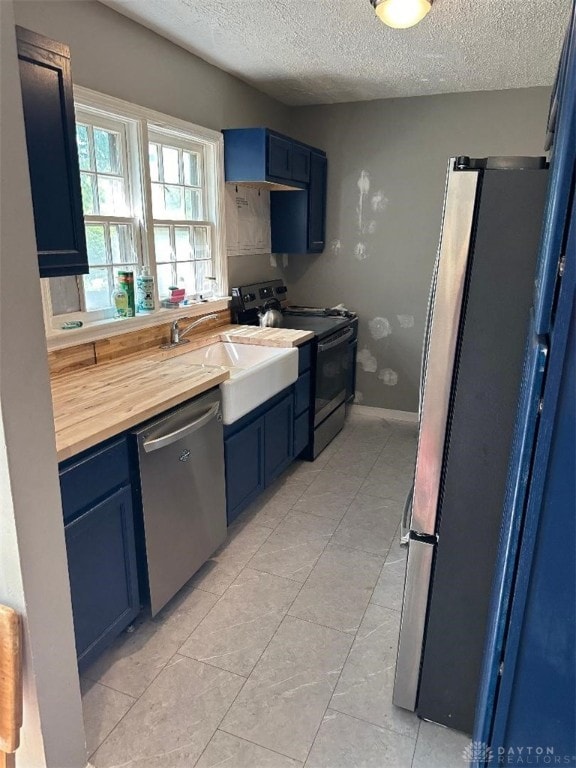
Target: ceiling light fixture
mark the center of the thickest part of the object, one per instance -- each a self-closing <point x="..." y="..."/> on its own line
<point x="401" y="14"/>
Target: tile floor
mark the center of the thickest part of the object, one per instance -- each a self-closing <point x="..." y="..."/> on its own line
<point x="280" y="652"/>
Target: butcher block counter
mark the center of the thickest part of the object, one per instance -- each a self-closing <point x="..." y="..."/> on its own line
<point x="100" y="401"/>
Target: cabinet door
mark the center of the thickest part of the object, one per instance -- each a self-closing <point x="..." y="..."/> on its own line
<point x="300" y="163"/>
<point x="103" y="577"/>
<point x="278" y="438"/>
<point x="279" y="157"/>
<point x="48" y="104"/>
<point x="317" y="203"/>
<point x="244" y="456"/>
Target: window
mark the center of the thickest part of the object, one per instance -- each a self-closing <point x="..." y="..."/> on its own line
<point x="151" y="198"/>
<point x="109" y="217"/>
<point x="182" y="234"/>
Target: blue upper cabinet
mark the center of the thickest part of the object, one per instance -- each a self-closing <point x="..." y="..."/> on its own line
<point x="296" y="175"/>
<point x="260" y="155"/>
<point x="48" y="104"/>
<point x="317" y="203"/>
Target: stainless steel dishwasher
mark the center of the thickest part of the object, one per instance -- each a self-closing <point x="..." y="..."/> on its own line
<point x="181" y="460"/>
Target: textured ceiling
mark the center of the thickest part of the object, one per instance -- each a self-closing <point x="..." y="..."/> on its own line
<point x="327" y="51"/>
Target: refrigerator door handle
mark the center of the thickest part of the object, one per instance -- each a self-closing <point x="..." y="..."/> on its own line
<point x="411" y="641"/>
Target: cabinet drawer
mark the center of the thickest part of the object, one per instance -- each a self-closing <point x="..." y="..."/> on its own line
<point x="301" y="432"/>
<point x="85" y="480"/>
<point x="302" y="393"/>
<point x="304" y="358"/>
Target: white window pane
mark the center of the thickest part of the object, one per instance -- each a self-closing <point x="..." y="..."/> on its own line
<point x="174" y="202"/>
<point x="158" y="210"/>
<point x="65" y="295"/>
<point x="111" y="197"/>
<point x="83" y="142"/>
<point x="185" y="271"/>
<point x="107" y="151"/>
<point x="193" y="204"/>
<point x="165" y="279"/>
<point x="96" y="243"/>
<point x="182" y="241"/>
<point x="97" y="289"/>
<point x="153" y="160"/>
<point x="191" y="169"/>
<point x="204" y="269"/>
<point x="121" y="244"/>
<point x="171" y="164"/>
<point x="201" y="243"/>
<point x="87" y="181"/>
<point x="162" y="244"/>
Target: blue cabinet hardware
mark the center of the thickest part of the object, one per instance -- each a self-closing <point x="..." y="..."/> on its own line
<point x="48" y="104"/>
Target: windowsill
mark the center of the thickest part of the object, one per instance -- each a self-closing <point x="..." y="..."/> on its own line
<point x="103" y="329"/>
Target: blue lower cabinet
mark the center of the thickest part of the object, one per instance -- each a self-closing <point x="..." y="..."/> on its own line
<point x="103" y="574"/>
<point x="257" y="449"/>
<point x="244" y="457"/>
<point x="301" y="432"/>
<point x="302" y="394"/>
<point x="278" y="438"/>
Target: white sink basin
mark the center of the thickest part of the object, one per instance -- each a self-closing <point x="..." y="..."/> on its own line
<point x="256" y="374"/>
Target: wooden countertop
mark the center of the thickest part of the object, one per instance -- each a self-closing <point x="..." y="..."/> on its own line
<point x="98" y="402"/>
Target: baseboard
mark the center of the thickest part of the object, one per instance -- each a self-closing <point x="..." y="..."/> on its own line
<point x="385" y="413"/>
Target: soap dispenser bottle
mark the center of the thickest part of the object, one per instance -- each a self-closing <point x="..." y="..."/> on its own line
<point x="145" y="291"/>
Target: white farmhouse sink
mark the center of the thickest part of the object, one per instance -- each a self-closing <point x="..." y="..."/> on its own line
<point x="256" y="374"/>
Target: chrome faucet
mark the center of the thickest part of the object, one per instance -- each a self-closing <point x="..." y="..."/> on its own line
<point x="176" y="334"/>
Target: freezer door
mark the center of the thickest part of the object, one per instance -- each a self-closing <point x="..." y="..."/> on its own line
<point x="459" y="206"/>
<point x="417" y="584"/>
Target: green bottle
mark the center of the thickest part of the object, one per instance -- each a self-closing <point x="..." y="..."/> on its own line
<point x="126" y="283"/>
<point x="119" y="301"/>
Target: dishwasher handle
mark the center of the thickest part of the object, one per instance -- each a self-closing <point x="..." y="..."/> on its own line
<point x="178" y="434"/>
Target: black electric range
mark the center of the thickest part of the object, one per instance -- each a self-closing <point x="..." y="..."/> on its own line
<point x="333" y="359"/>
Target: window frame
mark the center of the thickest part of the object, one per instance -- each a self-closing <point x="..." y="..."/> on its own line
<point x="140" y="122"/>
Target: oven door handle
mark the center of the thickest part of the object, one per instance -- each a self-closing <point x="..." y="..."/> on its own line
<point x="336" y="343"/>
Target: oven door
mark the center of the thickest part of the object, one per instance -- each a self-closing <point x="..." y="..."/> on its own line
<point x="331" y="374"/>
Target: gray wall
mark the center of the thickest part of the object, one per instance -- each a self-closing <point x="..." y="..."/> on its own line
<point x="381" y="266"/>
<point x="115" y="55"/>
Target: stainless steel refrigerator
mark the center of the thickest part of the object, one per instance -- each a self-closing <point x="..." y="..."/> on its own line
<point x="472" y="366"/>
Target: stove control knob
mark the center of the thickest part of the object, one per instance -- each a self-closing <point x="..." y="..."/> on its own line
<point x="248" y="297"/>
